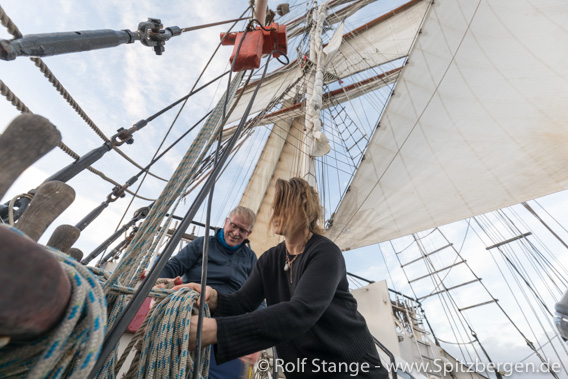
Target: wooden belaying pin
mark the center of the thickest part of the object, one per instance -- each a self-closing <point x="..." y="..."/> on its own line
<point x="64" y="237"/>
<point x="50" y="200"/>
<point x="26" y="139"/>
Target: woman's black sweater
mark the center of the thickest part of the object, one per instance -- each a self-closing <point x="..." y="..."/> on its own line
<point x="311" y="315"/>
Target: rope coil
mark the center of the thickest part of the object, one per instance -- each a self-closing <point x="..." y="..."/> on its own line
<point x="72" y="348"/>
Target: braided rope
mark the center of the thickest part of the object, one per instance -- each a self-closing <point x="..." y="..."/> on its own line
<point x="13" y="99"/>
<point x="165" y="350"/>
<point x="67" y="96"/>
<point x="137" y="338"/>
<point x="72" y="348"/>
<point x="9" y="25"/>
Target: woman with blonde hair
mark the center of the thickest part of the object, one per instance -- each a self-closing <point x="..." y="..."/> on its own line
<point x="311" y="316"/>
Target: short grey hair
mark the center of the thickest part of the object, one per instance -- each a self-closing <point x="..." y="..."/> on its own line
<point x="245" y="212"/>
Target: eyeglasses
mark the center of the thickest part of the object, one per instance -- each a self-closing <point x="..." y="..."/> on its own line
<point x="236" y="227"/>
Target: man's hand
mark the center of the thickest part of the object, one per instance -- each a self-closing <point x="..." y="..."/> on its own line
<point x="208" y="335"/>
<point x="211" y="295"/>
<point x="168" y="283"/>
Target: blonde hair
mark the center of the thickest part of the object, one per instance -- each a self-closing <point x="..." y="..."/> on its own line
<point x="296" y="196"/>
<point x="245" y="212"/>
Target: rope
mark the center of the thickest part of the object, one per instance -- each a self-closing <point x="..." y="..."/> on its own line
<point x="67" y="96"/>
<point x="9" y="25"/>
<point x="137" y="338"/>
<point x="73" y="347"/>
<point x="165" y="348"/>
<point x="19" y="104"/>
<point x="173" y="190"/>
<point x="13" y="99"/>
<point x="12" y="204"/>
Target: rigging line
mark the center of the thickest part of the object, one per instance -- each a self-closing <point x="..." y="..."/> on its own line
<point x="154" y="160"/>
<point x="387" y="267"/>
<point x="531" y="255"/>
<point x="154" y="116"/>
<point x="430" y="266"/>
<point x="77" y="108"/>
<point x="528" y="342"/>
<point x="527" y="283"/>
<point x="184" y="99"/>
<point x="216" y="163"/>
<point x="552" y="217"/>
<point x="540" y="255"/>
<point x="190" y="28"/>
<point x="550" y="266"/>
<point x="206" y="160"/>
<point x="14" y="31"/>
<point x="20" y="106"/>
<point x="205" y="254"/>
<point x="556" y="267"/>
<point x="534" y="311"/>
<point x="531" y="354"/>
<point x="183" y="106"/>
<point x="250" y="167"/>
<point x="531" y="210"/>
<point x="549" y="320"/>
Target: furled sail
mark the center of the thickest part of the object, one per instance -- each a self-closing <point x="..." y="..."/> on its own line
<point x="477" y="122"/>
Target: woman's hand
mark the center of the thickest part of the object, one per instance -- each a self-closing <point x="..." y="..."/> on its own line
<point x="211" y="295"/>
<point x="208" y="335"/>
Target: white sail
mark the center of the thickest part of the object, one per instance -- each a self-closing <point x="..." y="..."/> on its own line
<point x="477" y="122"/>
<point x="383" y="40"/>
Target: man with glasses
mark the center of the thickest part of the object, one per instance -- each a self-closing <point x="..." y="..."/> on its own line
<point x="230" y="263"/>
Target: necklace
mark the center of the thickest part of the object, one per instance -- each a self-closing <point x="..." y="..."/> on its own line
<point x="288" y="264"/>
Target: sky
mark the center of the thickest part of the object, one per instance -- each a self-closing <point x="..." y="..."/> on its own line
<point x="119" y="86"/>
